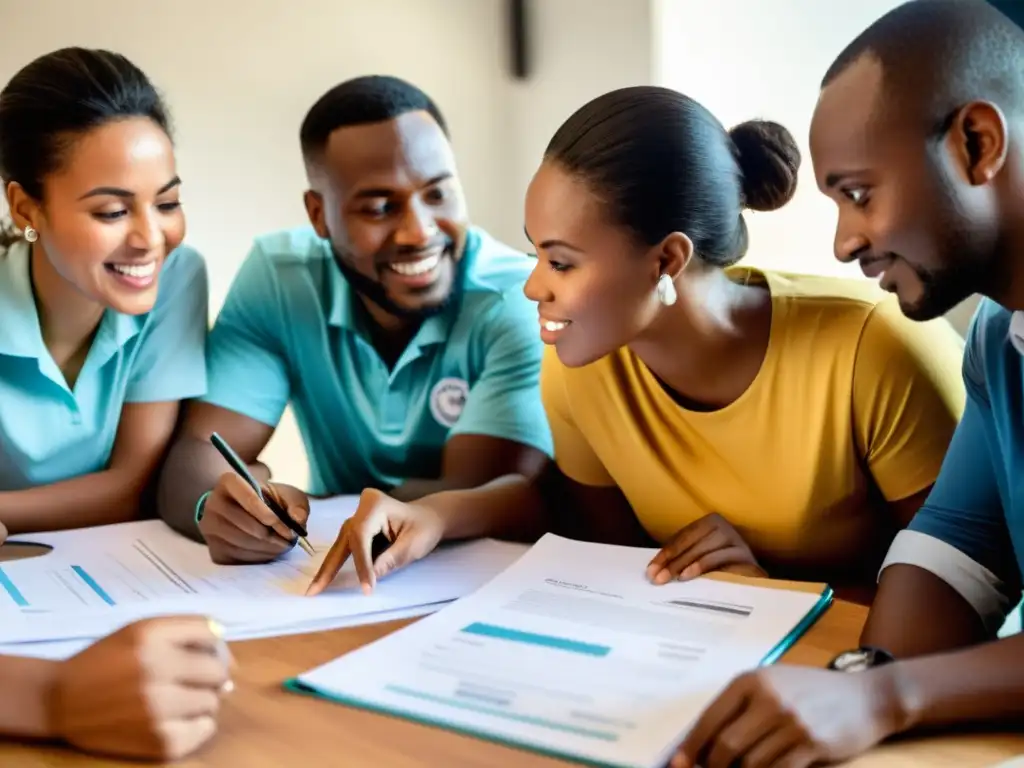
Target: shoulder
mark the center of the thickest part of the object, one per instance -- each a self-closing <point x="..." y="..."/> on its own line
<point x="183" y="264"/>
<point x="182" y="275"/>
<point x="493" y="301"/>
<point x="291" y="264"/>
<point x="836" y="297"/>
<point x="285" y="251"/>
<point x="856" y="315"/>
<point x="994" y="332"/>
<point x="492" y="266"/>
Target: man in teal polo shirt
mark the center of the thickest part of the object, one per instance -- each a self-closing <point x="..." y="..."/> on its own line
<point x="398" y="332"/>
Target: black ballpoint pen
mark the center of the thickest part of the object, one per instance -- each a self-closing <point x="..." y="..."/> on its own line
<point x="239" y="466"/>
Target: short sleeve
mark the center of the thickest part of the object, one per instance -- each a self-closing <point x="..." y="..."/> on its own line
<point x="908" y="396"/>
<point x="171" y="362"/>
<point x="248" y="372"/>
<point x="573" y="454"/>
<point x="504" y="401"/>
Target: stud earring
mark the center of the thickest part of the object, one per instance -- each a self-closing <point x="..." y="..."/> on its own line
<point x="666" y="291"/>
<point x="31" y="235"/>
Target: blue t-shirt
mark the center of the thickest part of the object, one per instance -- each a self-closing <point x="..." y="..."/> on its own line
<point x="290" y="332"/>
<point x="50" y="432"/>
<point x="976" y="508"/>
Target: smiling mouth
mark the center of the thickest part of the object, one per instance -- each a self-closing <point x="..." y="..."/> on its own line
<point x="553" y="325"/>
<point x="138" y="271"/>
<point x="417" y="267"/>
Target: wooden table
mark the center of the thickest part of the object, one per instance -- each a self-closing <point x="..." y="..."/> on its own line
<point x="264" y="726"/>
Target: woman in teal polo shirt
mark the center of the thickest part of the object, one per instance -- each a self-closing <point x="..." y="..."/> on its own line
<point x="103" y="313"/>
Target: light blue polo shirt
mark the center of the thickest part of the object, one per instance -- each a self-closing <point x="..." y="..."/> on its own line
<point x="290" y="332"/>
<point x="970" y="531"/>
<point x="49" y="432"/>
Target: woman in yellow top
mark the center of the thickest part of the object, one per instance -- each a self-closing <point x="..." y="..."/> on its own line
<point x="745" y="420"/>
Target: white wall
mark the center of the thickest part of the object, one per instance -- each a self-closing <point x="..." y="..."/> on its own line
<point x="581" y="49"/>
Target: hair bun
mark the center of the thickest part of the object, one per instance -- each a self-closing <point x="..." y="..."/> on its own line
<point x="769" y="160"/>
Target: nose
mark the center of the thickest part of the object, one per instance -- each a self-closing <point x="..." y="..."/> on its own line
<point x="535" y="289"/>
<point x="849" y="242"/>
<point x="146" y="233"/>
<point x="417" y="228"/>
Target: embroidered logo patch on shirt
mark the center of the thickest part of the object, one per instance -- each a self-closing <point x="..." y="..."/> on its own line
<point x="447" y="399"/>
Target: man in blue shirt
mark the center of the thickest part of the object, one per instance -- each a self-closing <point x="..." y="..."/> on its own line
<point x="918" y="136"/>
<point x="398" y="332"/>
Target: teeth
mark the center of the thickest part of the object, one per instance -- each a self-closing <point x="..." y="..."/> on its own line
<point x="135" y="270"/>
<point x="551" y="325"/>
<point x="418" y="267"/>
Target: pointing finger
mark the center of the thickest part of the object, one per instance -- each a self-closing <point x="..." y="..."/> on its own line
<point x="335" y="559"/>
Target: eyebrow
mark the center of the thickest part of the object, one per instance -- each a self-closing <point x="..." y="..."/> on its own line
<point x="119" y="192"/>
<point x="833" y="179"/>
<point x="385" y="192"/>
<point x="552" y="243"/>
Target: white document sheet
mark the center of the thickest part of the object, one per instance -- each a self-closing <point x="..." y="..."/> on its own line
<point x="572" y="651"/>
<point x="64" y="649"/>
<point x="98" y="579"/>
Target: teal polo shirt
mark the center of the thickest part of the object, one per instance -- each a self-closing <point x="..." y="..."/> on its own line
<point x="50" y="432"/>
<point x="291" y="332"/>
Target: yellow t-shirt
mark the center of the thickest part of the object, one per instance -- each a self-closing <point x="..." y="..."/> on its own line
<point x="849" y="389"/>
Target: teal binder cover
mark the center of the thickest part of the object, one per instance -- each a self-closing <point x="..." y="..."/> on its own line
<point x="294" y="685"/>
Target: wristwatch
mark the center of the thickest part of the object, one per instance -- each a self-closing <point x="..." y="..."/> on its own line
<point x="860" y="659"/>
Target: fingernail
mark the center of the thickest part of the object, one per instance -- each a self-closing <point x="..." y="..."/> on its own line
<point x="690" y="572"/>
<point x="663" y="576"/>
<point x="228" y="687"/>
<point x="216" y="628"/>
<point x="367" y="589"/>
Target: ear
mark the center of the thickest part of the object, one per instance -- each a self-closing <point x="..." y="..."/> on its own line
<point x="674" y="253"/>
<point x="25" y="211"/>
<point x="315" y="211"/>
<point x="979" y="140"/>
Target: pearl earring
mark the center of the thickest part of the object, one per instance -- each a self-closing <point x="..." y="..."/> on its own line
<point x="666" y="291"/>
<point x="31" y="235"/>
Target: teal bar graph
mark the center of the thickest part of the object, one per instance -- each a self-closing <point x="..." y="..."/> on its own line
<point x="13" y="591"/>
<point x="531" y="638"/>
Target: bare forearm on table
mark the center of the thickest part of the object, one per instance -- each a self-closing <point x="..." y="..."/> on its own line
<point x="24" y="692"/>
<point x="510" y="507"/>
<point x="192" y="468"/>
<point x="100" y="498"/>
<point x="977" y="685"/>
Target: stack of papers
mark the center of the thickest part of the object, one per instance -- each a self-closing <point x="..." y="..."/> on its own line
<point x="572" y="652"/>
<point x="96" y="580"/>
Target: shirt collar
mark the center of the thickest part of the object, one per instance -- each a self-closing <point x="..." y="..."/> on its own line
<point x="1017" y="331"/>
<point x="20" y="334"/>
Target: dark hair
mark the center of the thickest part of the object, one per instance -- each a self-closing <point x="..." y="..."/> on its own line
<point x="57" y="98"/>
<point x="368" y="99"/>
<point x="662" y="163"/>
<point x="938" y="55"/>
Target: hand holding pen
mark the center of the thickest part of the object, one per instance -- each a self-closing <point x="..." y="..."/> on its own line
<point x="244" y="522"/>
